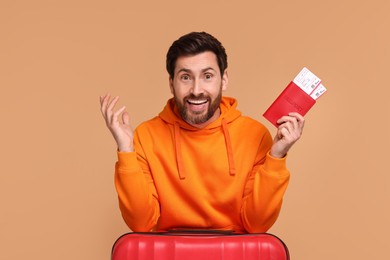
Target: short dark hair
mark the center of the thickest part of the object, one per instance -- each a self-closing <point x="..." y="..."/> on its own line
<point x="194" y="43"/>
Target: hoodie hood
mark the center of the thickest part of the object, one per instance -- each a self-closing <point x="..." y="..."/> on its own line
<point x="229" y="113"/>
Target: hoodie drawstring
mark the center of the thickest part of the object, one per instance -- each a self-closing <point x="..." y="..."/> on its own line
<point x="179" y="158"/>
<point x="232" y="168"/>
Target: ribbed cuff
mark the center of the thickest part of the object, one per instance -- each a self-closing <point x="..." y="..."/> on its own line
<point x="273" y="164"/>
<point x="127" y="161"/>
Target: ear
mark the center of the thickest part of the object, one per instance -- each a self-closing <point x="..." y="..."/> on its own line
<point x="225" y="80"/>
<point x="171" y="85"/>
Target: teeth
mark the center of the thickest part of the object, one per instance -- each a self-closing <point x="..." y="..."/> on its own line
<point x="197" y="102"/>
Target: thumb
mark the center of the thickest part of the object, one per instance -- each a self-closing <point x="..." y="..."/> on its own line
<point x="126" y="118"/>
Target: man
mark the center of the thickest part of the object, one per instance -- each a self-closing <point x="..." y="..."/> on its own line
<point x="200" y="164"/>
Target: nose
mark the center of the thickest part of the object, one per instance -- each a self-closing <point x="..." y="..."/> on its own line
<point x="196" y="87"/>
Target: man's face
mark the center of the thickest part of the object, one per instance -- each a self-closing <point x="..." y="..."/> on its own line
<point x="197" y="88"/>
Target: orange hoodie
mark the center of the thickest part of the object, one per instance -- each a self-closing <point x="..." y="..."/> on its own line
<point x="219" y="177"/>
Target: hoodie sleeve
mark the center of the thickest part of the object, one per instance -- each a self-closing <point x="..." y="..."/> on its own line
<point x="138" y="199"/>
<point x="264" y="190"/>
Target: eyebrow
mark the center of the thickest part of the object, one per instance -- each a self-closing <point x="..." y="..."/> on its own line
<point x="188" y="70"/>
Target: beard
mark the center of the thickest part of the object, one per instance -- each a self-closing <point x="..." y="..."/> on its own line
<point x="198" y="117"/>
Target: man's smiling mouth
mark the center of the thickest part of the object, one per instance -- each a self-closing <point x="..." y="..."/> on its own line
<point x="197" y="102"/>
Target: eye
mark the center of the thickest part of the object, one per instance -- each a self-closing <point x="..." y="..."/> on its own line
<point x="208" y="76"/>
<point x="185" y="77"/>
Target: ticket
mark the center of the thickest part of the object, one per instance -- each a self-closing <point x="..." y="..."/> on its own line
<point x="318" y="91"/>
<point x="307" y="81"/>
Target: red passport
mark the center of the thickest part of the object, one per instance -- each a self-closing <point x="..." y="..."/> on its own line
<point x="299" y="96"/>
<point x="292" y="99"/>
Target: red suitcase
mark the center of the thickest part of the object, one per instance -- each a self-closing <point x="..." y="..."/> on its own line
<point x="203" y="246"/>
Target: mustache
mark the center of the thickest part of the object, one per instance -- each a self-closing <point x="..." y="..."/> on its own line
<point x="198" y="97"/>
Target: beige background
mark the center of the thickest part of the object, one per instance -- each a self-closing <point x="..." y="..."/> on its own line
<point x="56" y="57"/>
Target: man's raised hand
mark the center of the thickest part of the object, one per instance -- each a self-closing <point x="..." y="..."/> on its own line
<point x="289" y="131"/>
<point x="118" y="123"/>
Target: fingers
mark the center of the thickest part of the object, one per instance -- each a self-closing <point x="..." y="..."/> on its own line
<point x="104" y="99"/>
<point x="293" y="122"/>
<point x="112" y="103"/>
<point x="107" y="106"/>
<point x="103" y="104"/>
<point x="300" y="120"/>
<point x="117" y="122"/>
<point x="290" y="127"/>
<point x="289" y="131"/>
<point x="125" y="118"/>
<point x="109" y="109"/>
<point x="283" y="131"/>
<point x="114" y="117"/>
